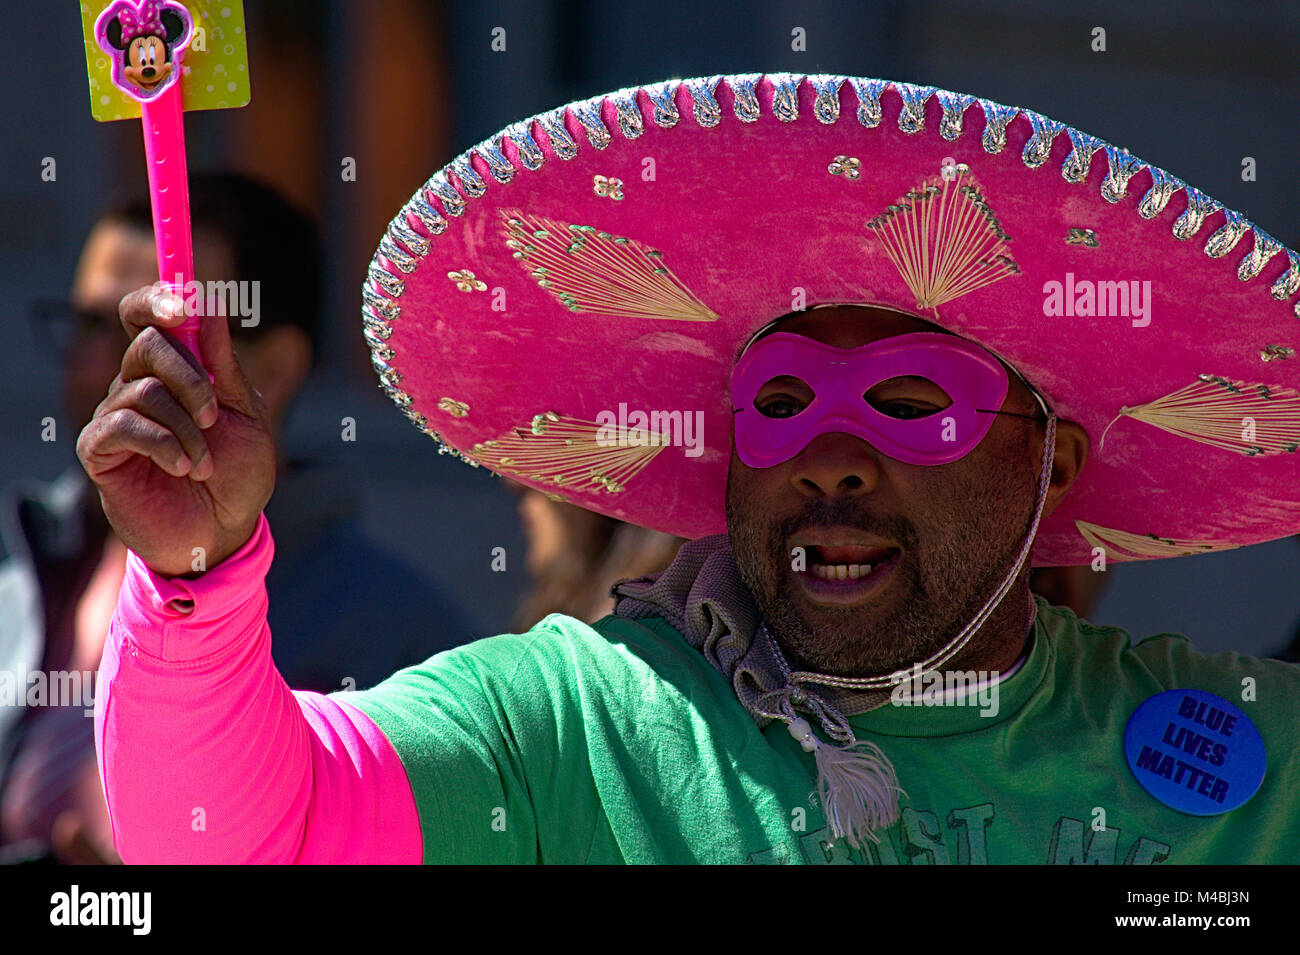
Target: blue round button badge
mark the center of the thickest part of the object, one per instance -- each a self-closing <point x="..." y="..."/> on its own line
<point x="1194" y="752"/>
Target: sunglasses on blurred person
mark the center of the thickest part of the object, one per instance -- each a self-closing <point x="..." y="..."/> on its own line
<point x="61" y="325"/>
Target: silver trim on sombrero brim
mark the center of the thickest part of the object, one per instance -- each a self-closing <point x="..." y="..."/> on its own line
<point x="403" y="245"/>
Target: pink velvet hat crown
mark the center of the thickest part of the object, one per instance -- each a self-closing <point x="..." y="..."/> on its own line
<point x="564" y="302"/>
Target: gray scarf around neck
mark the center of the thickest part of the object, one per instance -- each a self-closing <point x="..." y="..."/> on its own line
<point x="702" y="596"/>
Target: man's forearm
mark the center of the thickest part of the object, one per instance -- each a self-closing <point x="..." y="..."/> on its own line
<point x="205" y="753"/>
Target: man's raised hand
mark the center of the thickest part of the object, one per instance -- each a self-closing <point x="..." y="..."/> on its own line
<point x="183" y="465"/>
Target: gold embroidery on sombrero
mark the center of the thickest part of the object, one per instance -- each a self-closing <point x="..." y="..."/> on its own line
<point x="457" y="409"/>
<point x="846" y="166"/>
<point x="1146" y="545"/>
<point x="1247" y="417"/>
<point x="1079" y="236"/>
<point x="1275" y="352"/>
<point x="466" y="281"/>
<point x="570" y="452"/>
<point x="593" y="271"/>
<point x="610" y="188"/>
<point x="944" y="240"/>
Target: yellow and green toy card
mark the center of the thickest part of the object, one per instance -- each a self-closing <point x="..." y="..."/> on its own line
<point x="214" y="66"/>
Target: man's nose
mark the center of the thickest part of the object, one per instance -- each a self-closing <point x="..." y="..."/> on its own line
<point x="836" y="464"/>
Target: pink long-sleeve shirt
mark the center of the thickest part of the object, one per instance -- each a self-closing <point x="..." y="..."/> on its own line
<point x="207" y="756"/>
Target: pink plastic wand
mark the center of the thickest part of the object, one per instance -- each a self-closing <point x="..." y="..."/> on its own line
<point x="169" y="191"/>
<point x="146" y="41"/>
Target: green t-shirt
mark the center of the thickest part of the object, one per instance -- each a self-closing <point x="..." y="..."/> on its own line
<point x="618" y="742"/>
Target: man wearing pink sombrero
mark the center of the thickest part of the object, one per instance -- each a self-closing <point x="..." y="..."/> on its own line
<point x="876" y="349"/>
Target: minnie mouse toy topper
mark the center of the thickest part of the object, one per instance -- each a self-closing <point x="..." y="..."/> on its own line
<point x="145" y="42"/>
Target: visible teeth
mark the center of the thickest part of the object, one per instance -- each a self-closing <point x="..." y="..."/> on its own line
<point x="841" y="571"/>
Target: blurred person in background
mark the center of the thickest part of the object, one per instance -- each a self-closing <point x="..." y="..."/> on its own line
<point x="1079" y="588"/>
<point x="575" y="556"/>
<point x="61" y="566"/>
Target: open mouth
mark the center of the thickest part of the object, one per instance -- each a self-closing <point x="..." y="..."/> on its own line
<point x="844" y="572"/>
<point x="847" y="563"/>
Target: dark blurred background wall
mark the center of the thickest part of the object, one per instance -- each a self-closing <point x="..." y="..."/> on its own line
<point x="402" y="86"/>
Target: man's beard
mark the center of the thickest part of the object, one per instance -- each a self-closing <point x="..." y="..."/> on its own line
<point x="937" y="587"/>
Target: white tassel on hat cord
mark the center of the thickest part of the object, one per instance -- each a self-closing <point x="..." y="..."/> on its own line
<point x="855" y="783"/>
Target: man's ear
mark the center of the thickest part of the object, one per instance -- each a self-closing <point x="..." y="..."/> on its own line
<point x="1071" y="452"/>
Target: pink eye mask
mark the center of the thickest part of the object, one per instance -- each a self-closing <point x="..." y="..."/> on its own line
<point x="973" y="379"/>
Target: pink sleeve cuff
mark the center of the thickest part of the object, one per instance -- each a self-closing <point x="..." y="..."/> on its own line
<point x="228" y="600"/>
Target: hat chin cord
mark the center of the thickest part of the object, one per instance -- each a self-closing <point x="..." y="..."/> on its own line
<point x="856" y="783"/>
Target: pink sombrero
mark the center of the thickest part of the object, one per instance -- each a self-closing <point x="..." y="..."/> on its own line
<point x="612" y="256"/>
